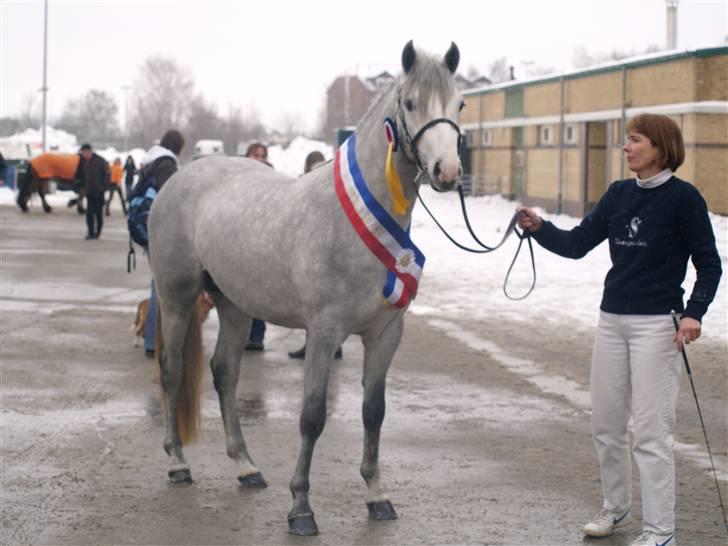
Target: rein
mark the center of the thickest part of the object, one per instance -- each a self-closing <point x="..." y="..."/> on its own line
<point x="483" y="248"/>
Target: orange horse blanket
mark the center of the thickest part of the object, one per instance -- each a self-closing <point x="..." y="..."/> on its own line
<point x="49" y="165"/>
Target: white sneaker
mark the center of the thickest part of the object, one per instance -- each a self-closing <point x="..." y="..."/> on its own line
<point x="652" y="539"/>
<point x="605" y="523"/>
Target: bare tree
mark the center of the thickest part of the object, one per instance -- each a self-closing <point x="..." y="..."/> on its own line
<point x="203" y="123"/>
<point x="581" y="58"/>
<point x="499" y="70"/>
<point x="161" y="99"/>
<point x="93" y="117"/>
<point x="290" y="124"/>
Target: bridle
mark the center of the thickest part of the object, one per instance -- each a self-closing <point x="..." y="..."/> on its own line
<point x="411" y="143"/>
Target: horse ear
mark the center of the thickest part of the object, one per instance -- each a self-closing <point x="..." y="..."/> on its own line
<point x="452" y="58"/>
<point x="408" y="57"/>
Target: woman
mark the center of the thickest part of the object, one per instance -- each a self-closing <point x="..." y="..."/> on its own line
<point x="654" y="223"/>
<point x="130" y="170"/>
<point x="115" y="187"/>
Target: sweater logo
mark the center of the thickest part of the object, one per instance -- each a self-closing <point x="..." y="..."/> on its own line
<point x="633" y="227"/>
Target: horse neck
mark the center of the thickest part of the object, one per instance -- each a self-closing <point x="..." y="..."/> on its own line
<point x="371" y="152"/>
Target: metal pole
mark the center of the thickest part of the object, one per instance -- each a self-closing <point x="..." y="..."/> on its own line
<point x="560" y="204"/>
<point x="45" y="71"/>
<point x="126" y="88"/>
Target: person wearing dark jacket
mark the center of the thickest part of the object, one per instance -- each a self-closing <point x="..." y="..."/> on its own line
<point x="159" y="163"/>
<point x="130" y="170"/>
<point x="655" y="223"/>
<point x="93" y="172"/>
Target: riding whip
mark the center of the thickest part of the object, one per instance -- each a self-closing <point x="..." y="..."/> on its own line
<point x="702" y="424"/>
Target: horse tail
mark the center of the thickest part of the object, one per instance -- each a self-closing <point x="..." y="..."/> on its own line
<point x="188" y="397"/>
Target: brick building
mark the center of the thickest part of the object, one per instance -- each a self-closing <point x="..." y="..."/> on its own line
<point x="556" y="141"/>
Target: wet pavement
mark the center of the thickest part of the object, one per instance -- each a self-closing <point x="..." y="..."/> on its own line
<point x="486" y="438"/>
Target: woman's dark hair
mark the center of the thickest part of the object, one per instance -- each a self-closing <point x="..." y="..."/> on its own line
<point x="664" y="134"/>
<point x="129" y="160"/>
<point x="173" y="141"/>
<point x="313" y="159"/>
<point x="254" y="146"/>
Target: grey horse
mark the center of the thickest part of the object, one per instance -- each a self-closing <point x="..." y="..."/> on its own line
<point x="267" y="246"/>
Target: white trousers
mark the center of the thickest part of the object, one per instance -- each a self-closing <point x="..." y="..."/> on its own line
<point x="636" y="373"/>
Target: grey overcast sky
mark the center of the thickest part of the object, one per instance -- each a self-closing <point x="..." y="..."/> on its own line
<point x="278" y="56"/>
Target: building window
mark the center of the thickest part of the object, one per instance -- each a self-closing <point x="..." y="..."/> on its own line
<point x="545" y="135"/>
<point x="486" y="138"/>
<point x="569" y="133"/>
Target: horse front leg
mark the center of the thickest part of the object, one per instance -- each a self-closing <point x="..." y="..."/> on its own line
<point x="379" y="348"/>
<point x="320" y="350"/>
<point x="225" y="364"/>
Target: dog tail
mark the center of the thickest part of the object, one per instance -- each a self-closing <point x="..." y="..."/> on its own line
<point x="188" y="397"/>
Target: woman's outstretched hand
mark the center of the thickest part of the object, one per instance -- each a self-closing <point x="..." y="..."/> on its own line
<point x="528" y="220"/>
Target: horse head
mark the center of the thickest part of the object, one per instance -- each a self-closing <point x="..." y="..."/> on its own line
<point x="429" y="105"/>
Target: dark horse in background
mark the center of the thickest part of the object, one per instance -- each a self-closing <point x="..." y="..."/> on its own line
<point x="42" y="169"/>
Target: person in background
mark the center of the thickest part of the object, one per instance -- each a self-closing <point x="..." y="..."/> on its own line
<point x="313" y="160"/>
<point x="655" y="223"/>
<point x="129" y="171"/>
<point x="161" y="163"/>
<point x="3" y="170"/>
<point x="259" y="152"/>
<point x="93" y="172"/>
<point x="117" y="172"/>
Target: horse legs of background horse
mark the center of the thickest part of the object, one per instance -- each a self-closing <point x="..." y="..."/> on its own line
<point x="30" y="184"/>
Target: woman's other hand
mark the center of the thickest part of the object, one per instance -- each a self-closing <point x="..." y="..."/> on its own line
<point x="689" y="330"/>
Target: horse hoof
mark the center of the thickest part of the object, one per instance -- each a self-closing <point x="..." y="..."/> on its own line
<point x="180" y="476"/>
<point x="381" y="510"/>
<point x="48" y="209"/>
<point x="253" y="481"/>
<point x="303" y="525"/>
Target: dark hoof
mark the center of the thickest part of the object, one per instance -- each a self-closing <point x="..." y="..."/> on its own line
<point x="180" y="476"/>
<point x="304" y="526"/>
<point x="48" y="209"/>
<point x="381" y="510"/>
<point x="254" y="480"/>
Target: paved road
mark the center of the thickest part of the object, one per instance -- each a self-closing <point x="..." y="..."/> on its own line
<point x="486" y="439"/>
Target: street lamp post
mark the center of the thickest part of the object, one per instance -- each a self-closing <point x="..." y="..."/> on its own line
<point x="125" y="89"/>
<point x="44" y="89"/>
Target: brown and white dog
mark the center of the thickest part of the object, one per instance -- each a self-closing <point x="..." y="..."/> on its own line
<point x="204" y="304"/>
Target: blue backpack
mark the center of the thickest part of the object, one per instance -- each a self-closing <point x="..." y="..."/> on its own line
<point x="140" y="203"/>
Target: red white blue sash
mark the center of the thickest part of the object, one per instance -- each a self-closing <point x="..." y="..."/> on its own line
<point x="380" y="232"/>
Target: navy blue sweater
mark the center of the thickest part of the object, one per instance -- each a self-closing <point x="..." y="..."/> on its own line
<point x="652" y="233"/>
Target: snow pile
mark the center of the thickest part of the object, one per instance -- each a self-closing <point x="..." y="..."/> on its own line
<point x="290" y="160"/>
<point x="56" y="140"/>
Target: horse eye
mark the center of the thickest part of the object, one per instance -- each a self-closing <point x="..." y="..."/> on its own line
<point x="409" y="105"/>
<point x="462" y="105"/>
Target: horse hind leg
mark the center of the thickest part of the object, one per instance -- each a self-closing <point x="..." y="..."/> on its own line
<point x="180" y="346"/>
<point x="42" y="192"/>
<point x="225" y="366"/>
<point x="321" y="344"/>
<point x="379" y="348"/>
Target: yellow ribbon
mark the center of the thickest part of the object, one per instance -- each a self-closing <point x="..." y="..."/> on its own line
<point x="400" y="204"/>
